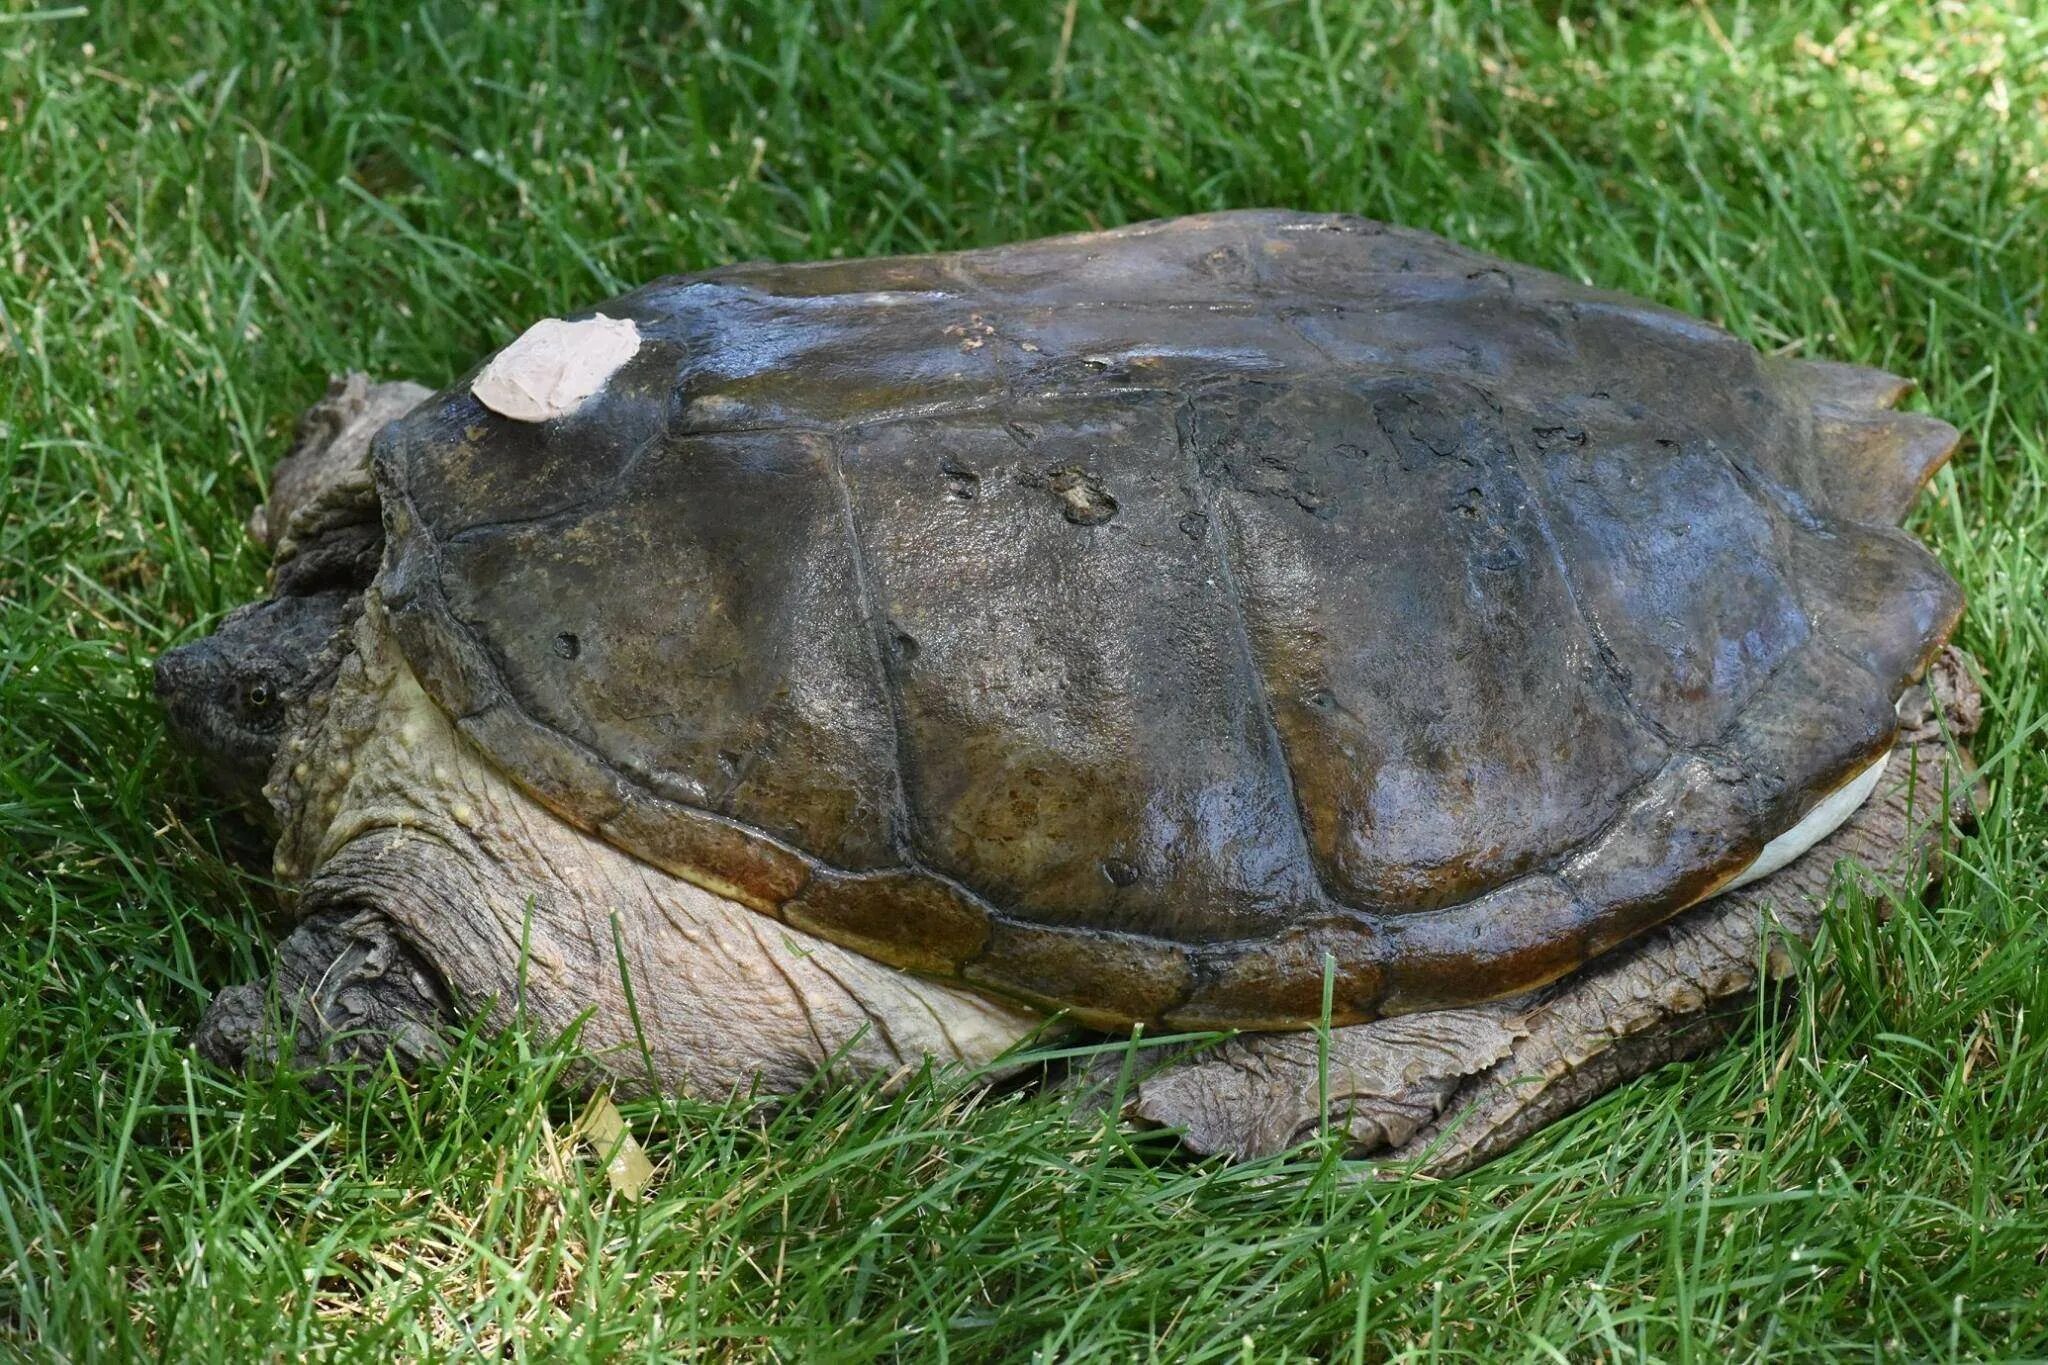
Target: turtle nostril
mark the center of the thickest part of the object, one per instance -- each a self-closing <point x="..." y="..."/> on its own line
<point x="167" y="672"/>
<point x="180" y="676"/>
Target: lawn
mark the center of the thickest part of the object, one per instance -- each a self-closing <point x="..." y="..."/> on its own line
<point x="207" y="206"/>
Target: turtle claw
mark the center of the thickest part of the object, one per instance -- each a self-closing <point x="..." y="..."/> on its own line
<point x="345" y="990"/>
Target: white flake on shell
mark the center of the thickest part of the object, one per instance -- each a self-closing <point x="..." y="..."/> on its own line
<point x="554" y="366"/>
<point x="1837" y="806"/>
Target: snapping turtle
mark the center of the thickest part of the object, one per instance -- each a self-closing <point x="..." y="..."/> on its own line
<point x="1234" y="622"/>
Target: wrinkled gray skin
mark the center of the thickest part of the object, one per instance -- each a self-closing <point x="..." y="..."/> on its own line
<point x="1446" y="1088"/>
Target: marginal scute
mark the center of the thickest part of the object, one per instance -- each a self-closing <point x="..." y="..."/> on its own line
<point x="1813" y="826"/>
<point x="723" y="858"/>
<point x="567" y="778"/>
<point x="1123" y="979"/>
<point x="914" y="921"/>
<point x="1279" y="981"/>
<point x="1822" y="720"/>
<point x="1874" y="466"/>
<point x="1530" y="931"/>
<point x="1878" y="596"/>
<point x="1839" y="389"/>
<point x="1674" y="841"/>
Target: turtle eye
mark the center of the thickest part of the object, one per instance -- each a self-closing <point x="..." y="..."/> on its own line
<point x="259" y="702"/>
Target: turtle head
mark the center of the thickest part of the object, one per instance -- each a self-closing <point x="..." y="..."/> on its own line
<point x="230" y="696"/>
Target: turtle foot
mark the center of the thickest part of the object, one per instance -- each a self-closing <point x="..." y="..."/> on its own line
<point x="345" y="990"/>
<point x="1447" y="1090"/>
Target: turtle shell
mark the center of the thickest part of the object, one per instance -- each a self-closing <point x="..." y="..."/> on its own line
<point x="1211" y="622"/>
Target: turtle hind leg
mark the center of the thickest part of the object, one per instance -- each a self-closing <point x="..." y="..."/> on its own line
<point x="345" y="990"/>
<point x="1450" y="1089"/>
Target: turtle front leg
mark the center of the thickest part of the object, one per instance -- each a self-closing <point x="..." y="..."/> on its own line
<point x="345" y="989"/>
<point x="1450" y="1089"/>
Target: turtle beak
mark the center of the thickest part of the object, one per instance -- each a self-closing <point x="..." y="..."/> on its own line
<point x="177" y="676"/>
<point x="185" y="680"/>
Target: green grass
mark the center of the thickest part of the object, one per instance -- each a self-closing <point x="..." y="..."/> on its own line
<point x="207" y="206"/>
